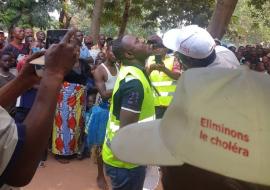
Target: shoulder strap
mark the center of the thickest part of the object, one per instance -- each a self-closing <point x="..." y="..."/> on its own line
<point x="107" y="70"/>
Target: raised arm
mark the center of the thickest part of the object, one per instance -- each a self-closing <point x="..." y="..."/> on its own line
<point x="25" y="80"/>
<point x="59" y="59"/>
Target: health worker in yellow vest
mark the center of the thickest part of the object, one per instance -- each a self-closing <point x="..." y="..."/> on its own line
<point x="132" y="101"/>
<point x="163" y="70"/>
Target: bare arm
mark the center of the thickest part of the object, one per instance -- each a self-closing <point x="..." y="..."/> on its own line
<point x="161" y="67"/>
<point x="171" y="74"/>
<point x="127" y="117"/>
<point x="100" y="84"/>
<point x="59" y="59"/>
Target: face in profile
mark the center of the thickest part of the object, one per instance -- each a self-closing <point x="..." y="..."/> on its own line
<point x="136" y="49"/>
<point x="41" y="36"/>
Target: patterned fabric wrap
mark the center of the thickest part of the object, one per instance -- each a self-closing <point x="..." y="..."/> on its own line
<point x="69" y="119"/>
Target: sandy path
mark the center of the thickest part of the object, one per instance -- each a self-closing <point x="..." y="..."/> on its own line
<point x="76" y="175"/>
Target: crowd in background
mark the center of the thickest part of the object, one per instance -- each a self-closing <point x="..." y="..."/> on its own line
<point x="77" y="97"/>
<point x="83" y="101"/>
<point x="256" y="57"/>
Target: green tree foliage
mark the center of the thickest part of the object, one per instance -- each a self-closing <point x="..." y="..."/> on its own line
<point x="172" y="13"/>
<point x="27" y="13"/>
<point x="260" y="10"/>
<point x="257" y="3"/>
<point x="250" y="24"/>
<point x="149" y="15"/>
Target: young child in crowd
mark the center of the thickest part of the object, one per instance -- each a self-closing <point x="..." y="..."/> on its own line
<point x="84" y="148"/>
<point x="6" y="75"/>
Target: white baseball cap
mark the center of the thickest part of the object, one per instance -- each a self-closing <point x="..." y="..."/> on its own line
<point x="191" y="41"/>
<point x="217" y="121"/>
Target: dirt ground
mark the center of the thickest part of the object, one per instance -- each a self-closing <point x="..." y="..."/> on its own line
<point x="76" y="175"/>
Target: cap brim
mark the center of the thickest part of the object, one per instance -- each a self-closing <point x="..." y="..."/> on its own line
<point x="38" y="61"/>
<point x="141" y="144"/>
<point x="170" y="39"/>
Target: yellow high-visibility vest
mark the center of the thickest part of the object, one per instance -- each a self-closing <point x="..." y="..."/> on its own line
<point x="165" y="85"/>
<point x="147" y="114"/>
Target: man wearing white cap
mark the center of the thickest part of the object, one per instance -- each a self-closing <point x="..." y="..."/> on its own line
<point x="196" y="48"/>
<point x="206" y="140"/>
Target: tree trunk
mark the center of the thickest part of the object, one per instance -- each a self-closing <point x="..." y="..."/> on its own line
<point x="124" y="18"/>
<point x="61" y="18"/>
<point x="64" y="18"/>
<point x="96" y="16"/>
<point x="221" y="17"/>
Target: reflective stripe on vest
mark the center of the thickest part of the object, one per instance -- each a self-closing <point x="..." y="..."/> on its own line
<point x="163" y="83"/>
<point x="147" y="114"/>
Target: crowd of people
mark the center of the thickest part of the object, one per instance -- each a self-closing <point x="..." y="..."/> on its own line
<point x="256" y="57"/>
<point x="82" y="105"/>
<point x="121" y="82"/>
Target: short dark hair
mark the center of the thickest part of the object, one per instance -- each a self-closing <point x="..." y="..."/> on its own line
<point x="189" y="62"/>
<point x="118" y="49"/>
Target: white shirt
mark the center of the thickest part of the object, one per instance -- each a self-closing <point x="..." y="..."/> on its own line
<point x="8" y="140"/>
<point x="225" y="59"/>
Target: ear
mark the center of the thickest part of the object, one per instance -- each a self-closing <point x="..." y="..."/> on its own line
<point x="129" y="55"/>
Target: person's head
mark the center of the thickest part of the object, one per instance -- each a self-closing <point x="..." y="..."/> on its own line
<point x="260" y="52"/>
<point x="40" y="35"/>
<point x="2" y="38"/>
<point x="28" y="32"/>
<point x="109" y="53"/>
<point x="5" y="61"/>
<point x="260" y="67"/>
<point x="18" y="33"/>
<point x="29" y="40"/>
<point x="130" y="49"/>
<point x="109" y="40"/>
<point x="91" y="100"/>
<point x="199" y="179"/>
<point x="259" y="46"/>
<point x="208" y="134"/>
<point x="218" y="42"/>
<point x="253" y="52"/>
<point x="101" y="58"/>
<point x="88" y="41"/>
<point x="248" y="48"/>
<point x="232" y="47"/>
<point x="193" y="45"/>
<point x="101" y="40"/>
<point x="265" y="60"/>
<point x="79" y="36"/>
<point x="241" y="49"/>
